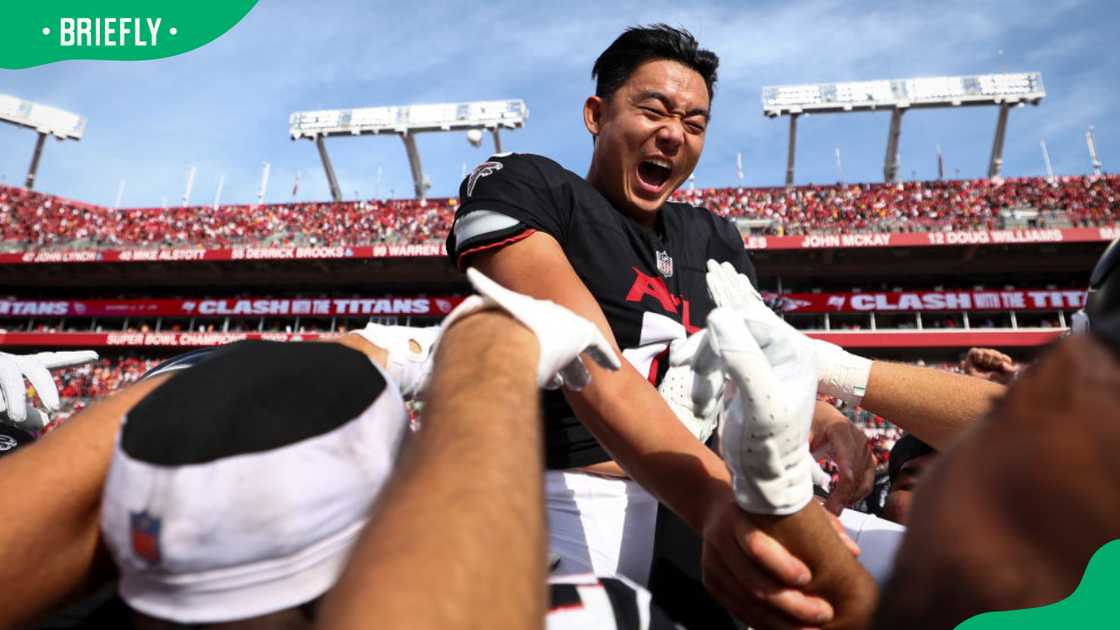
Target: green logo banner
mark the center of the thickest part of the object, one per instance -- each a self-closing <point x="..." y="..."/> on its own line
<point x="34" y="32"/>
<point x="1092" y="604"/>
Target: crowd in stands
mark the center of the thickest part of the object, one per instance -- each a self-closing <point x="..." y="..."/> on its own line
<point x="41" y="221"/>
<point x="920" y="206"/>
<point x="47" y="222"/>
<point x="79" y="386"/>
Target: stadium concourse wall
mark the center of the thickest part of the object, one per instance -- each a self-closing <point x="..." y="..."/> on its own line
<point x="809" y="242"/>
<point x="374" y="271"/>
<point x="896" y="339"/>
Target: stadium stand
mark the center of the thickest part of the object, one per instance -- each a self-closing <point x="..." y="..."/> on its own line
<point x="44" y="221"/>
<point x="920" y="206"/>
<point x="79" y="386"/>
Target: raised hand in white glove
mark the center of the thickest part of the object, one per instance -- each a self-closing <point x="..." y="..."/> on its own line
<point x="409" y="350"/>
<point x="840" y="374"/>
<point x="35" y="368"/>
<point x="767" y="410"/>
<point x="693" y="397"/>
<point x="563" y="335"/>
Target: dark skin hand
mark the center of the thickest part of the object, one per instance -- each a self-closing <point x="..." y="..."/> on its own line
<point x="1033" y="479"/>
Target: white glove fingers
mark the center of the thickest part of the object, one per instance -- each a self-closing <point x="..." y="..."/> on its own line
<point x="706" y="360"/>
<point x="682" y="351"/>
<point x="762" y="329"/>
<point x="706" y="391"/>
<point x="741" y="282"/>
<point x="744" y="360"/>
<point x="485" y="286"/>
<point x="717" y="291"/>
<point x="728" y="332"/>
<point x="70" y="358"/>
<point x="716" y="287"/>
<point x="11" y="386"/>
<point x="41" y="380"/>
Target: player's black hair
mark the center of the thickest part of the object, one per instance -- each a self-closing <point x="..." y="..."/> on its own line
<point x="639" y="44"/>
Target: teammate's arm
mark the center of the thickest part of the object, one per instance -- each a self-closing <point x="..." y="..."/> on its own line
<point x="459" y="537"/>
<point x="632" y="422"/>
<point x="50" y="532"/>
<point x="934" y="405"/>
<point x="912" y="397"/>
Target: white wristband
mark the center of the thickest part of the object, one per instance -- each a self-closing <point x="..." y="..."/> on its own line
<point x="841" y="374"/>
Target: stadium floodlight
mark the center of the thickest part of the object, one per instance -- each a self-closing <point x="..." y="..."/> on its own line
<point x="406" y="121"/>
<point x="898" y="95"/>
<point x="43" y="120"/>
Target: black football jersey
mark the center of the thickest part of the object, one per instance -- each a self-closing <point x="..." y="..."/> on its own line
<point x="649" y="282"/>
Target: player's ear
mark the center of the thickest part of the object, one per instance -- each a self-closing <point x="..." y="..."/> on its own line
<point x="592" y="114"/>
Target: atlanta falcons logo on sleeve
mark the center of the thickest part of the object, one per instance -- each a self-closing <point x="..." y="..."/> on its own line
<point x="480" y="171"/>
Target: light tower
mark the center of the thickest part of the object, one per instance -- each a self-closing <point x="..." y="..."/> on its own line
<point x="900" y="95"/>
<point x="406" y="121"/>
<point x="43" y="120"/>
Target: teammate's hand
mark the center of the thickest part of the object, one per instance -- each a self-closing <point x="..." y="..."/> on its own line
<point x="835" y="437"/>
<point x="693" y="397"/>
<point x="754" y="577"/>
<point x="840" y="374"/>
<point x="764" y="436"/>
<point x="990" y="364"/>
<point x="563" y="335"/>
<point x="409" y="354"/>
<point x="35" y="368"/>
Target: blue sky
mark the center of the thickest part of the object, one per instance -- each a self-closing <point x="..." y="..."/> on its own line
<point x="224" y="107"/>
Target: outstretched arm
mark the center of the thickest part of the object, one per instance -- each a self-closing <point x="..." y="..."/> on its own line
<point x="935" y="405"/>
<point x="632" y="422"/>
<point x="51" y="534"/>
<point x="463" y="514"/>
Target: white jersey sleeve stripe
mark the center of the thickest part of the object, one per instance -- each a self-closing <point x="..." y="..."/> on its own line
<point x="480" y="223"/>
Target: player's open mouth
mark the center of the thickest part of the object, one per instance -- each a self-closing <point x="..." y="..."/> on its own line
<point x="653" y="174"/>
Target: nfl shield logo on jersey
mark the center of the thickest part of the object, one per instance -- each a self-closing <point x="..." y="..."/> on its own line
<point x="665" y="263"/>
<point x="145" y="535"/>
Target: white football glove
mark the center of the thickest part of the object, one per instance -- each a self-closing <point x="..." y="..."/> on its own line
<point x="767" y="411"/>
<point x="410" y="354"/>
<point x="693" y="397"/>
<point x="563" y="336"/>
<point x="841" y="374"/>
<point x="35" y="368"/>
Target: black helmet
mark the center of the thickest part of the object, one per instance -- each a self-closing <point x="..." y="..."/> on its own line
<point x="179" y="362"/>
<point x="1102" y="299"/>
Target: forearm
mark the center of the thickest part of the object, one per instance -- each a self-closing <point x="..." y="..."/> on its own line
<point x="621" y="409"/>
<point x="463" y="516"/>
<point x="376" y="353"/>
<point x="52" y="500"/>
<point x="934" y="405"/>
<point x="632" y="422"/>
<point x="836" y="575"/>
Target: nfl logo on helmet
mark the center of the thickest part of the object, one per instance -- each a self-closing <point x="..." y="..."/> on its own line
<point x="145" y="536"/>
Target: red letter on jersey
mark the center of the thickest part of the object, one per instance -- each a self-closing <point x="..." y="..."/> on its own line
<point x="654" y="287"/>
